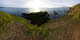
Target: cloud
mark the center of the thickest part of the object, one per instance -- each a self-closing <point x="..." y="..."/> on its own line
<point x="13" y="3"/>
<point x="50" y="3"/>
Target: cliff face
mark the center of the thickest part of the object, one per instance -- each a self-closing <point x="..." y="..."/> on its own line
<point x="65" y="28"/>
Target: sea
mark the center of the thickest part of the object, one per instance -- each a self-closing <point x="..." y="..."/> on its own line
<point x="18" y="11"/>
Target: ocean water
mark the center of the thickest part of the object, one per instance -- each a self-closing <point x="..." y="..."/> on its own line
<point x="18" y="11"/>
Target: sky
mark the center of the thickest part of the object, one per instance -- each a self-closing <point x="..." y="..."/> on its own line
<point x="38" y="3"/>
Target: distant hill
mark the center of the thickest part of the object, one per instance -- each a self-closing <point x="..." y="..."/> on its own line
<point x="65" y="28"/>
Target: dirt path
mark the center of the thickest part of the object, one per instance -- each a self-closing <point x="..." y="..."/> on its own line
<point x="76" y="32"/>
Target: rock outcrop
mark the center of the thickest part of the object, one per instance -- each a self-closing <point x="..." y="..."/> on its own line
<point x="55" y="13"/>
<point x="37" y="18"/>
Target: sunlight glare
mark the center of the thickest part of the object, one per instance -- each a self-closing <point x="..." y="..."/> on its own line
<point x="35" y="5"/>
<point x="36" y="9"/>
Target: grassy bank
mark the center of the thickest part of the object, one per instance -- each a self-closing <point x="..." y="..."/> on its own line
<point x="16" y="28"/>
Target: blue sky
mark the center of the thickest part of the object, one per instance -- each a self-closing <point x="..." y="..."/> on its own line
<point x="43" y="3"/>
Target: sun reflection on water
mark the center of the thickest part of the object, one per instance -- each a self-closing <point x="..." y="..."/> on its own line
<point x="36" y="9"/>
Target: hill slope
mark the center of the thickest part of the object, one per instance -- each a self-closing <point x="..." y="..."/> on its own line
<point x="65" y="28"/>
<point x="16" y="28"/>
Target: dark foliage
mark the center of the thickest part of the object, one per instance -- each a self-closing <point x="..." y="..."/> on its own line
<point x="37" y="18"/>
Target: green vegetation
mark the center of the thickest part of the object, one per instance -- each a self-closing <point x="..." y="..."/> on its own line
<point x="61" y="29"/>
<point x="16" y="28"/>
<point x="8" y="22"/>
<point x="5" y="20"/>
<point x="37" y="18"/>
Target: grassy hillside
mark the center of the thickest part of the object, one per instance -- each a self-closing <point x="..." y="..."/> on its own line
<point x="65" y="28"/>
<point x="16" y="28"/>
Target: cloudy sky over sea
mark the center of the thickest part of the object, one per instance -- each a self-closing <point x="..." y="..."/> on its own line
<point x="38" y="3"/>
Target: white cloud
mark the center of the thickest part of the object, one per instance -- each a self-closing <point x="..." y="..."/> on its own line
<point x="43" y="3"/>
